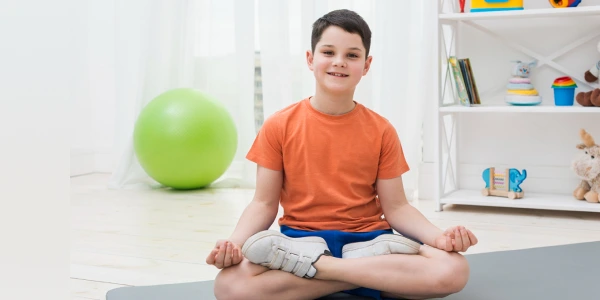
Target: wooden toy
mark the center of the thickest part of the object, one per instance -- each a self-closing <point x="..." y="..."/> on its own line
<point x="503" y="184"/>
<point x="495" y="5"/>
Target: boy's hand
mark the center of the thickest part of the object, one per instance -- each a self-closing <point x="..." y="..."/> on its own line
<point x="456" y="238"/>
<point x="224" y="255"/>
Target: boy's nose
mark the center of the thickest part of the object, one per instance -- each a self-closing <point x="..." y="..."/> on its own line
<point x="339" y="62"/>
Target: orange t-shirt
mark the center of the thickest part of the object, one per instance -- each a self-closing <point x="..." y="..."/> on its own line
<point x="330" y="165"/>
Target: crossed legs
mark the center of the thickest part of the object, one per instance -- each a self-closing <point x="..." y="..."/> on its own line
<point x="430" y="273"/>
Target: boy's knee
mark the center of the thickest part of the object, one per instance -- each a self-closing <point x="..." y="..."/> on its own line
<point x="453" y="275"/>
<point x="234" y="282"/>
<point x="228" y="284"/>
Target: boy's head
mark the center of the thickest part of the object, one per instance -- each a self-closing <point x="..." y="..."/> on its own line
<point x="340" y="51"/>
<point x="348" y="20"/>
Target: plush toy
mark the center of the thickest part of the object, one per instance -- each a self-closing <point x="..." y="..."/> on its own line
<point x="592" y="74"/>
<point x="587" y="167"/>
<point x="591" y="98"/>
<point x="522" y="69"/>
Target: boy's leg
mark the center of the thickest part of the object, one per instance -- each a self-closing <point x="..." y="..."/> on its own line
<point x="251" y="281"/>
<point x="431" y="273"/>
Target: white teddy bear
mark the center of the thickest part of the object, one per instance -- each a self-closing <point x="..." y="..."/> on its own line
<point x="587" y="167"/>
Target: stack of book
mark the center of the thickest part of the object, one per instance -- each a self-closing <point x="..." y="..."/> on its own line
<point x="464" y="81"/>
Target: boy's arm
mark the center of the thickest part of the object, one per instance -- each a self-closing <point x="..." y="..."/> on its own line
<point x="261" y="212"/>
<point x="402" y="216"/>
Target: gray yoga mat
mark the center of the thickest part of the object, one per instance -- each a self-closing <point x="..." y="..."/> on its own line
<point x="556" y="272"/>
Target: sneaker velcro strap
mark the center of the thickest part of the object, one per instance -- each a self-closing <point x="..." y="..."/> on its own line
<point x="292" y="259"/>
<point x="277" y="260"/>
<point x="303" y="266"/>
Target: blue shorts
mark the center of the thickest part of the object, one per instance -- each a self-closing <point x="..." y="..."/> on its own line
<point x="335" y="241"/>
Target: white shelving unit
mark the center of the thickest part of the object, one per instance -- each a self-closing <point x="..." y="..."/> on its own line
<point x="519" y="14"/>
<point x="531" y="200"/>
<point x="447" y="167"/>
<point x="455" y="108"/>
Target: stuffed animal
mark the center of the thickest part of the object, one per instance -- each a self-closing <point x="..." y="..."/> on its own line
<point x="592" y="74"/>
<point x="587" y="167"/>
<point x="591" y="98"/>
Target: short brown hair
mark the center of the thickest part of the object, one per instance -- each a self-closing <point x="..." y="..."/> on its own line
<point x="346" y="19"/>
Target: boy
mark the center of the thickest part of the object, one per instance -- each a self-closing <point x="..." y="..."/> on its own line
<point x="336" y="167"/>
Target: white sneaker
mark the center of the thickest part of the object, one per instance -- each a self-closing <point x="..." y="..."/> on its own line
<point x="277" y="251"/>
<point x="381" y="245"/>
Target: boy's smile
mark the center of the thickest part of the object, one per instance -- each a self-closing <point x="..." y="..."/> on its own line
<point x="337" y="74"/>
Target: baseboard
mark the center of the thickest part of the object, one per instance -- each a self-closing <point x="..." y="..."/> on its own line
<point x="91" y="160"/>
<point x="236" y="177"/>
<point x="82" y="161"/>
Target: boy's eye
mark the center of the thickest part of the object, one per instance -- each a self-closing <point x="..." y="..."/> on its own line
<point x="352" y="55"/>
<point x="328" y="52"/>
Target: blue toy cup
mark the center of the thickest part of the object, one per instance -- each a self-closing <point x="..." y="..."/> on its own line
<point x="564" y="96"/>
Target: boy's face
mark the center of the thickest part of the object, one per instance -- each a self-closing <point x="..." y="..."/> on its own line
<point x="339" y="61"/>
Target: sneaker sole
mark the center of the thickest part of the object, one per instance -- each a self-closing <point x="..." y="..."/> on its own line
<point x="412" y="245"/>
<point x="262" y="234"/>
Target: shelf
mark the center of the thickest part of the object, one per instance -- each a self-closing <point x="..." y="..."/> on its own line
<point x="524" y="32"/>
<point x="522" y="14"/>
<point x="530" y="200"/>
<point x="519" y="109"/>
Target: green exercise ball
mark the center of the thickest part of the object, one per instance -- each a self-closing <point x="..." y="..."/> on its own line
<point x="185" y="139"/>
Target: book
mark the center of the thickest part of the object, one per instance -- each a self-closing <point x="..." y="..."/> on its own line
<point x="472" y="85"/>
<point x="466" y="79"/>
<point x="459" y="82"/>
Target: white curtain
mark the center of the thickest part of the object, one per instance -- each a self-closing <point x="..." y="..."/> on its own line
<point x="210" y="45"/>
<point x="166" y="44"/>
<point x="396" y="85"/>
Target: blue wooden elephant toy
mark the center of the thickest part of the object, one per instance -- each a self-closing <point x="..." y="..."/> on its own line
<point x="514" y="182"/>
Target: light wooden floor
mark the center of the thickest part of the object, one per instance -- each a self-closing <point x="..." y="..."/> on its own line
<point x="147" y="237"/>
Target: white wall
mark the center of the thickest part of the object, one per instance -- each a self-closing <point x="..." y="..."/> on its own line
<point x="39" y="62"/>
<point x="93" y="114"/>
<point x="544" y="144"/>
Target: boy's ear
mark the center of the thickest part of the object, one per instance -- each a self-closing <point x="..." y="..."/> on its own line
<point x="367" y="65"/>
<point x="309" y="59"/>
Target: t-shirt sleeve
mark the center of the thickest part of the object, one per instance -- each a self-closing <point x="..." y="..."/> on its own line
<point x="266" y="150"/>
<point x="392" y="162"/>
